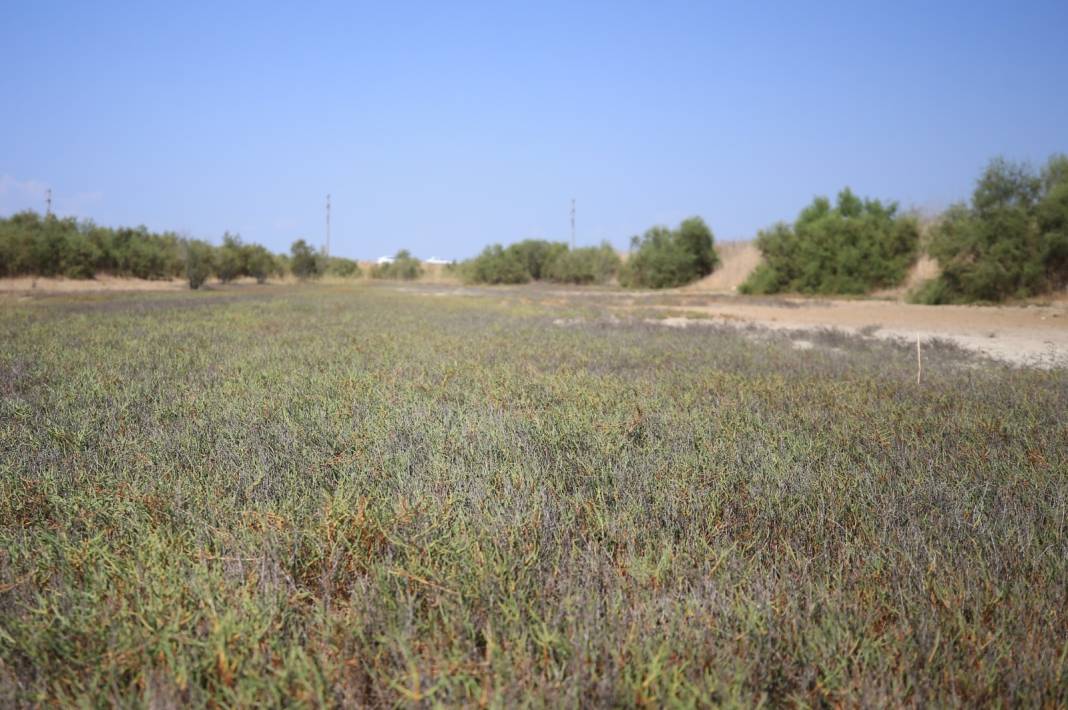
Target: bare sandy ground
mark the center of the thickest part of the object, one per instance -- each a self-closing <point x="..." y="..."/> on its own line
<point x="1033" y="335"/>
<point x="1024" y="335"/>
<point x="103" y="282"/>
<point x="737" y="260"/>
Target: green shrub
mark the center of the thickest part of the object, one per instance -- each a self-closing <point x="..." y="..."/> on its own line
<point x="53" y="246"/>
<point x="345" y="268"/>
<point x="586" y="265"/>
<point x="305" y="262"/>
<point x="139" y="253"/>
<point x="80" y="257"/>
<point x="404" y="266"/>
<point x="199" y="262"/>
<point x="258" y="262"/>
<point x="665" y="258"/>
<point x="854" y="247"/>
<point x="496" y="265"/>
<point x="230" y="258"/>
<point x="1011" y="241"/>
<point x="282" y="265"/>
<point x="536" y="255"/>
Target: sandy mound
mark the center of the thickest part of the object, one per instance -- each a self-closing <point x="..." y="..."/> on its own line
<point x="737" y="260"/>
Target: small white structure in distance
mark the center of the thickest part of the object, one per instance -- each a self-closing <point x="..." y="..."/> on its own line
<point x="385" y="260"/>
<point x="438" y="260"/>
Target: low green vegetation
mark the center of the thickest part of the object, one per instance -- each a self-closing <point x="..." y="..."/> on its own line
<point x="404" y="267"/>
<point x="584" y="265"/>
<point x="1011" y="241"/>
<point x="51" y="246"/>
<point x="665" y="258"/>
<point x="852" y="247"/>
<point x="352" y="495"/>
<point x="199" y="262"/>
<point x="535" y="256"/>
<point x="540" y="260"/>
<point x="306" y="262"/>
<point x="344" y="268"/>
<point x="496" y="265"/>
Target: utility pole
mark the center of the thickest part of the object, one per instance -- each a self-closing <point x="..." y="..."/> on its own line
<point x="328" y="224"/>
<point x="572" y="222"/>
<point x="48" y="202"/>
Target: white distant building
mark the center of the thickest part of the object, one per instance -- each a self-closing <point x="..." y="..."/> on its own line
<point x="385" y="260"/>
<point x="438" y="260"/>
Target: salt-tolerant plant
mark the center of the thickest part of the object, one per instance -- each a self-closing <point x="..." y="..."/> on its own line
<point x="339" y="495"/>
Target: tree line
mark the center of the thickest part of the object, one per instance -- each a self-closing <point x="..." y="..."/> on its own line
<point x="660" y="258"/>
<point x="1010" y="240"/>
<point x="36" y="245"/>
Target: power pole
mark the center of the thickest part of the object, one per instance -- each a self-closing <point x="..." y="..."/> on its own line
<point x="572" y="222"/>
<point x="328" y="224"/>
<point x="48" y="202"/>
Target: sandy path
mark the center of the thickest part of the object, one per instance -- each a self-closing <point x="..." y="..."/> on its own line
<point x="1028" y="335"/>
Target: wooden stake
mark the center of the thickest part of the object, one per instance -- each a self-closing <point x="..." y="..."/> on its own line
<point x="919" y="360"/>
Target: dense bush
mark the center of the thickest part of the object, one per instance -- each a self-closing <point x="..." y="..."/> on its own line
<point x="235" y="259"/>
<point x="230" y="259"/>
<point x="199" y="262"/>
<point x="345" y="268"/>
<point x="585" y="265"/>
<point x="664" y="258"/>
<point x="51" y="246"/>
<point x="305" y="262"/>
<point x="260" y="263"/>
<point x="1010" y="242"/>
<point x="851" y="248"/>
<point x="538" y="259"/>
<point x="496" y="265"/>
<point x="536" y="255"/>
<point x="404" y="266"/>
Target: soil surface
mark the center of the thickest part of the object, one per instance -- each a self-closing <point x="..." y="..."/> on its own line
<point x="1035" y="335"/>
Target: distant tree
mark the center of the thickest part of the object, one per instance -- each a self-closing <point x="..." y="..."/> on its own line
<point x="852" y="247"/>
<point x="404" y="266"/>
<point x="51" y="246"/>
<point x="535" y="255"/>
<point x="585" y="265"/>
<point x="345" y="268"/>
<point x="305" y="262"/>
<point x="199" y="262"/>
<point x="496" y="265"/>
<point x="696" y="238"/>
<point x="258" y="262"/>
<point x="665" y="258"/>
<point x="230" y="259"/>
<point x="1052" y="214"/>
<point x="1011" y="241"/>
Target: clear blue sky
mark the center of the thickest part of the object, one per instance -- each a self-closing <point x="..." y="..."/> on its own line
<point x="444" y="126"/>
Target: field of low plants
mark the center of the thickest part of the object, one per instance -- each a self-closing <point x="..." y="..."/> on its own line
<point x="366" y="494"/>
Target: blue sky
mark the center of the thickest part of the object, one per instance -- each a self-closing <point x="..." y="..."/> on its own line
<point x="442" y="127"/>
